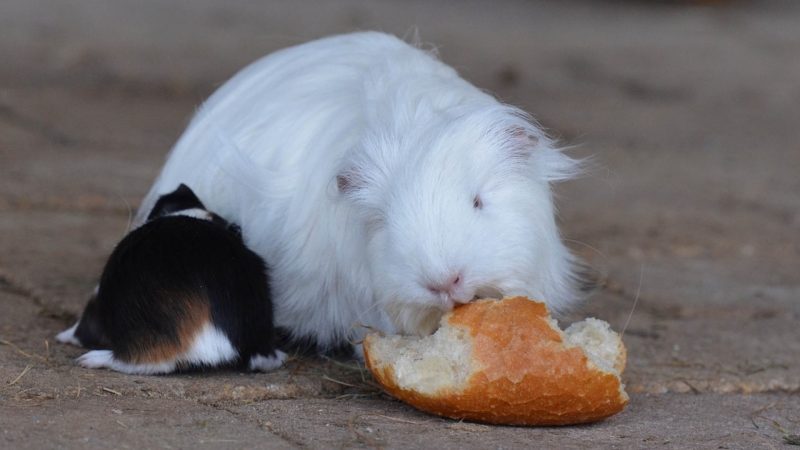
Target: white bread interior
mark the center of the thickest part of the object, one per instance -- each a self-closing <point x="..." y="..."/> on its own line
<point x="443" y="362"/>
<point x="599" y="342"/>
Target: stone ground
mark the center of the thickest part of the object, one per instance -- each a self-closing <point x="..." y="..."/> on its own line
<point x="691" y="113"/>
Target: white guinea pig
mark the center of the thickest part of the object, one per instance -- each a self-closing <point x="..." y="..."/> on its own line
<point x="390" y="189"/>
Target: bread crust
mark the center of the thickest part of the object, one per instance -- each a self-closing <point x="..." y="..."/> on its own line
<point x="526" y="374"/>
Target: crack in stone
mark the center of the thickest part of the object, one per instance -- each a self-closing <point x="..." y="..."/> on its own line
<point x="266" y="425"/>
<point x="16" y="119"/>
<point x="83" y="204"/>
<point x="13" y="284"/>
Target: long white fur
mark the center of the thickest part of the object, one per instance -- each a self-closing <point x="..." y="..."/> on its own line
<point x="416" y="142"/>
<point x="210" y="348"/>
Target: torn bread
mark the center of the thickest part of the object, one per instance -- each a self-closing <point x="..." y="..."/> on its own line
<point x="505" y="362"/>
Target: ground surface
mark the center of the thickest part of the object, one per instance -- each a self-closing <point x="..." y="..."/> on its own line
<point x="692" y="114"/>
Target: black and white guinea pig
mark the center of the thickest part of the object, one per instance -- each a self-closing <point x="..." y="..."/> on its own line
<point x="180" y="292"/>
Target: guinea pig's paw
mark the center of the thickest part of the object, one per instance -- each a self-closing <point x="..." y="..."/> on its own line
<point x="96" y="359"/>
<point x="358" y="352"/>
<point x="68" y="336"/>
<point x="104" y="359"/>
<point x="263" y="363"/>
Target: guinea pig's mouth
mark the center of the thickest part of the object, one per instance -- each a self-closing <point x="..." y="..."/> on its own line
<point x="414" y="318"/>
<point x="421" y="317"/>
<point x="448" y="303"/>
<point x="488" y="292"/>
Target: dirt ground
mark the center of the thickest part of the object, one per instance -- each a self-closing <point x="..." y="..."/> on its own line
<point x="691" y="113"/>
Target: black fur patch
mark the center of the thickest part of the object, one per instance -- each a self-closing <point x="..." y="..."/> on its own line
<point x="308" y="346"/>
<point x="90" y="332"/>
<point x="169" y="267"/>
<point x="180" y="199"/>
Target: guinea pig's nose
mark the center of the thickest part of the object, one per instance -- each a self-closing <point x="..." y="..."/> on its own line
<point x="448" y="287"/>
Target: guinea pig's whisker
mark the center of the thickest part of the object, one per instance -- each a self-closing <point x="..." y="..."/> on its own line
<point x="635" y="302"/>
<point x="368" y="310"/>
<point x="130" y="212"/>
<point x="597" y="251"/>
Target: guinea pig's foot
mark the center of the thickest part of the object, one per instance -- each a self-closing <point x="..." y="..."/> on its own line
<point x="104" y="359"/>
<point x="263" y="363"/>
<point x="96" y="359"/>
<point x="68" y="336"/>
<point x="358" y="352"/>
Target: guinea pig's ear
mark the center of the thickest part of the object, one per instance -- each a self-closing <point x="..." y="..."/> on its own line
<point x="521" y="142"/>
<point x="349" y="181"/>
<point x="530" y="146"/>
<point x="180" y="199"/>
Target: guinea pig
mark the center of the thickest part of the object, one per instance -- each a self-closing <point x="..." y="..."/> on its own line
<point x="180" y="292"/>
<point x="391" y="188"/>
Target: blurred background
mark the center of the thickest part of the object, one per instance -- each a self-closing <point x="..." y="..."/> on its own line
<point x="691" y="111"/>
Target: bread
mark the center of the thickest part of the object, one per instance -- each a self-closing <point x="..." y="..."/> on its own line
<point x="505" y="362"/>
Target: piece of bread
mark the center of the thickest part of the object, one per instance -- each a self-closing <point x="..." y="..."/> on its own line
<point x="505" y="362"/>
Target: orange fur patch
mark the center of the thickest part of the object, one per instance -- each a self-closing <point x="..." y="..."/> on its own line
<point x="156" y="349"/>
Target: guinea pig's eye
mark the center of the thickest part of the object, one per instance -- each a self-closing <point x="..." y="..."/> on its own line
<point x="374" y="223"/>
<point x="477" y="203"/>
